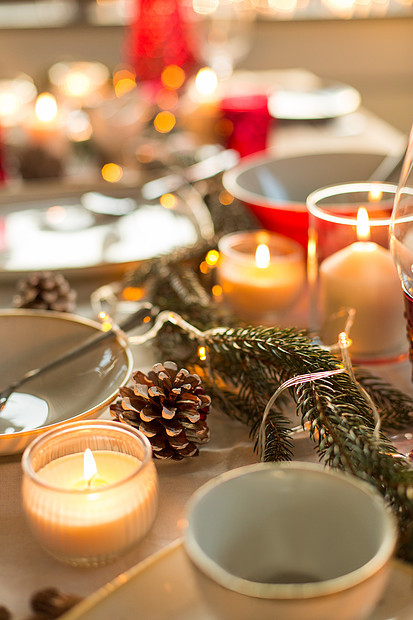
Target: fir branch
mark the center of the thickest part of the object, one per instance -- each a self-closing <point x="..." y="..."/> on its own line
<point x="395" y="407"/>
<point x="245" y="365"/>
<point x="255" y="360"/>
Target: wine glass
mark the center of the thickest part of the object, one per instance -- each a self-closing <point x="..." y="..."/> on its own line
<point x="401" y="236"/>
<point x="227" y="26"/>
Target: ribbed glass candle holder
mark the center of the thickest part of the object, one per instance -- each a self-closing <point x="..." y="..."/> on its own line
<point x="88" y="517"/>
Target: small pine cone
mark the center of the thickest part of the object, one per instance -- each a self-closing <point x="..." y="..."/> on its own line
<point x="4" y="613"/>
<point x="45" y="291"/>
<point x="169" y="407"/>
<point x="51" y="603"/>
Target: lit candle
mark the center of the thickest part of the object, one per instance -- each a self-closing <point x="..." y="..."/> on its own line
<point x="87" y="507"/>
<point x="80" y="81"/>
<point x="362" y="276"/>
<point x="15" y="95"/>
<point x="260" y="272"/>
<point x="44" y="123"/>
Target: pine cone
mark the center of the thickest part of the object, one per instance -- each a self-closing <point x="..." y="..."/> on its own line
<point x="4" y="613"/>
<point x="51" y="603"/>
<point x="45" y="291"/>
<point x="169" y="407"/>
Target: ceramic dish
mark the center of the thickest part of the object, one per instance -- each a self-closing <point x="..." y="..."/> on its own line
<point x="77" y="389"/>
<point x="276" y="188"/>
<point x="163" y="588"/>
<point x="321" y="100"/>
<point x="38" y="230"/>
<point x="295" y="94"/>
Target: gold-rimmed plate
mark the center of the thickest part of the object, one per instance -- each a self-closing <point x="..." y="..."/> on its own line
<point x="80" y="388"/>
<point x="169" y="572"/>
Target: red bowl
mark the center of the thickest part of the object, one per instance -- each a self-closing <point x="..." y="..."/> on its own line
<point x="276" y="188"/>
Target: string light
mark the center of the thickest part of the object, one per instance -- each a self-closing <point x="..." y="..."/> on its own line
<point x="202" y="353"/>
<point x="112" y="173"/>
<point x="106" y="322"/>
<point x="173" y="77"/>
<point x="225" y="198"/>
<point x="132" y="293"/>
<point x="164" y="121"/>
<point x="212" y="258"/>
<point x="168" y="201"/>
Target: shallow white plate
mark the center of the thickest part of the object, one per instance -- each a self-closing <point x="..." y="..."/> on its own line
<point x="320" y="100"/>
<point x="74" y="390"/>
<point x="162" y="587"/>
<point x="52" y="228"/>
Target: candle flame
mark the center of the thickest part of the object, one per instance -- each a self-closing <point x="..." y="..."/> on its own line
<point x="262" y="256"/>
<point x="46" y="107"/>
<point x="363" y="226"/>
<point x="206" y="81"/>
<point x="77" y="84"/>
<point x="89" y="466"/>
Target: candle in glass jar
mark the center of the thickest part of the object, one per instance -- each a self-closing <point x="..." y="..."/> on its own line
<point x="260" y="272"/>
<point x="90" y="518"/>
<point x="44" y="122"/>
<point x="362" y="277"/>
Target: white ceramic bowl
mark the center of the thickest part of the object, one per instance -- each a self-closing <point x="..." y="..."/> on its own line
<point x="275" y="188"/>
<point x="291" y="541"/>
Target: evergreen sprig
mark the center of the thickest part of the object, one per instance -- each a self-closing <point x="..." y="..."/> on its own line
<point x="245" y="365"/>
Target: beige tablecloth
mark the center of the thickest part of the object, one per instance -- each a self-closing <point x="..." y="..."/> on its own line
<point x="26" y="568"/>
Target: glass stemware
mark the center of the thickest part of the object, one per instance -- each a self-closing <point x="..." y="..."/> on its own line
<point x="401" y="236"/>
<point x="228" y="28"/>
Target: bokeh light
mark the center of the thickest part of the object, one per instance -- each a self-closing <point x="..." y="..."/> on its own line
<point x="46" y="107"/>
<point x="206" y="81"/>
<point x="112" y="172"/>
<point x="164" y="121"/>
<point x="168" y="201"/>
<point x="173" y="77"/>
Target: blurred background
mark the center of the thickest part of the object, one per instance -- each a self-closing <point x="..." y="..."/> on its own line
<point x="365" y="43"/>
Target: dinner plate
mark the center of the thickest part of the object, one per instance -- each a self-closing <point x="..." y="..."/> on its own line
<point x="316" y="101"/>
<point x="77" y="389"/>
<point x="162" y="587"/>
<point x="73" y="230"/>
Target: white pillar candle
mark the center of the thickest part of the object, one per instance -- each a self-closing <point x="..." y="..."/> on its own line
<point x="91" y="519"/>
<point x="362" y="276"/>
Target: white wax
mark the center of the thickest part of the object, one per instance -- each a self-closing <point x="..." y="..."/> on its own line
<point x="99" y="522"/>
<point x="363" y="276"/>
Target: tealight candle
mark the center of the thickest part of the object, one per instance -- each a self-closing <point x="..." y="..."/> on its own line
<point x="90" y="490"/>
<point x="359" y="280"/>
<point x="260" y="272"/>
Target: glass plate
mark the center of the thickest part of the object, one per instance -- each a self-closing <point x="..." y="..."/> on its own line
<point x="73" y="230"/>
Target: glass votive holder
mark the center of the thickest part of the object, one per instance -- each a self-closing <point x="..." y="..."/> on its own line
<point x="353" y="282"/>
<point x="261" y="273"/>
<point x="90" y="490"/>
<point x="246" y="122"/>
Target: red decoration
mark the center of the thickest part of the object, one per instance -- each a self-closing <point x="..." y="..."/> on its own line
<point x="247" y="122"/>
<point x="159" y="36"/>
